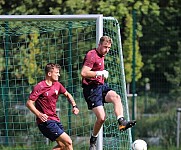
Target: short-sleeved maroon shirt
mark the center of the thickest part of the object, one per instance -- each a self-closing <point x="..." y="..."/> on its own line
<point x="95" y="61"/>
<point x="45" y="98"/>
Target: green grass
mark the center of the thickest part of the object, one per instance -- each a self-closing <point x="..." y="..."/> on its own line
<point x="162" y="148"/>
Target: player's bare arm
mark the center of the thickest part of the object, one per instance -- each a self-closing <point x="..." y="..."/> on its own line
<point x="71" y="100"/>
<point x="31" y="106"/>
<point x="87" y="73"/>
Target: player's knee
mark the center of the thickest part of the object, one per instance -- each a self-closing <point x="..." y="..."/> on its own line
<point x="101" y="120"/>
<point x="116" y="98"/>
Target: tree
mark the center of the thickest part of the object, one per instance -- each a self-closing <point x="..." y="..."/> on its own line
<point x="163" y="45"/>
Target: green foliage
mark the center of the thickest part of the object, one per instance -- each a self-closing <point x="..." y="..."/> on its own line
<point x="29" y="63"/>
<point x="155" y="123"/>
<point x="161" y="148"/>
<point x="2" y="62"/>
<point x="13" y="148"/>
<point x="161" y="52"/>
<point x="128" y="51"/>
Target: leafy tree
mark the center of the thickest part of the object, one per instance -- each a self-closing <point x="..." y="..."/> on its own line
<point x="164" y="44"/>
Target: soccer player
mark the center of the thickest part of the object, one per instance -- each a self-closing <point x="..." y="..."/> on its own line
<point x="42" y="102"/>
<point x="96" y="92"/>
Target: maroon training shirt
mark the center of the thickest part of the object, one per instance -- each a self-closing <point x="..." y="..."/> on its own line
<point x="45" y="98"/>
<point x="95" y="61"/>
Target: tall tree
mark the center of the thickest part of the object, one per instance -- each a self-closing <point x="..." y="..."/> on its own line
<point x="161" y="50"/>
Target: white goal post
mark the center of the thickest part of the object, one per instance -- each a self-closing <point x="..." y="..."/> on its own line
<point x="178" y="127"/>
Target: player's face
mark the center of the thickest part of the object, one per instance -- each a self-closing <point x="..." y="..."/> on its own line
<point x="104" y="48"/>
<point x="55" y="74"/>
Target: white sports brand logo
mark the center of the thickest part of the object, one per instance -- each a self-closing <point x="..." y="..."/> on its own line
<point x="56" y="91"/>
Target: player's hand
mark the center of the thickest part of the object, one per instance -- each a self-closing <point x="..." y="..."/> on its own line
<point x="75" y="110"/>
<point x="43" y="117"/>
<point x="103" y="73"/>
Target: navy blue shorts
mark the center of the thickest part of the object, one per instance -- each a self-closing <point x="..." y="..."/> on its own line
<point x="95" y="95"/>
<point x="51" y="129"/>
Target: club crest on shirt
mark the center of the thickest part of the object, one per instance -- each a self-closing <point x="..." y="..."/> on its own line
<point x="56" y="92"/>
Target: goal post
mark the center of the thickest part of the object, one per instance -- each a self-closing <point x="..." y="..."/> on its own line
<point x="178" y="127"/>
<point x="31" y="41"/>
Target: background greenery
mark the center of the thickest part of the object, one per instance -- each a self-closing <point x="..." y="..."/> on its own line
<point x="158" y="53"/>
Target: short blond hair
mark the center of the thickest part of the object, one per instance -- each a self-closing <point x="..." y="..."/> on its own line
<point x="105" y="39"/>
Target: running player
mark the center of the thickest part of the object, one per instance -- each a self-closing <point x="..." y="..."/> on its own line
<point x="44" y="96"/>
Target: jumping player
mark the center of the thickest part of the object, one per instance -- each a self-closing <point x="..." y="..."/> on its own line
<point x="96" y="92"/>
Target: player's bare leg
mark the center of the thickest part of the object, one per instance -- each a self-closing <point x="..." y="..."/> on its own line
<point x="100" y="115"/>
<point x="113" y="97"/>
<point x="64" y="142"/>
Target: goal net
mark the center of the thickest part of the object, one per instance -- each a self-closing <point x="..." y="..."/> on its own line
<point x="27" y="44"/>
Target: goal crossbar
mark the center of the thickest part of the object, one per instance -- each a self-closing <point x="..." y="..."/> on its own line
<point x="50" y="17"/>
<point x="97" y="17"/>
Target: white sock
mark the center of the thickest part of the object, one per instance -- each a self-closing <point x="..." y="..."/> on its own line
<point x="119" y="117"/>
<point x="94" y="135"/>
